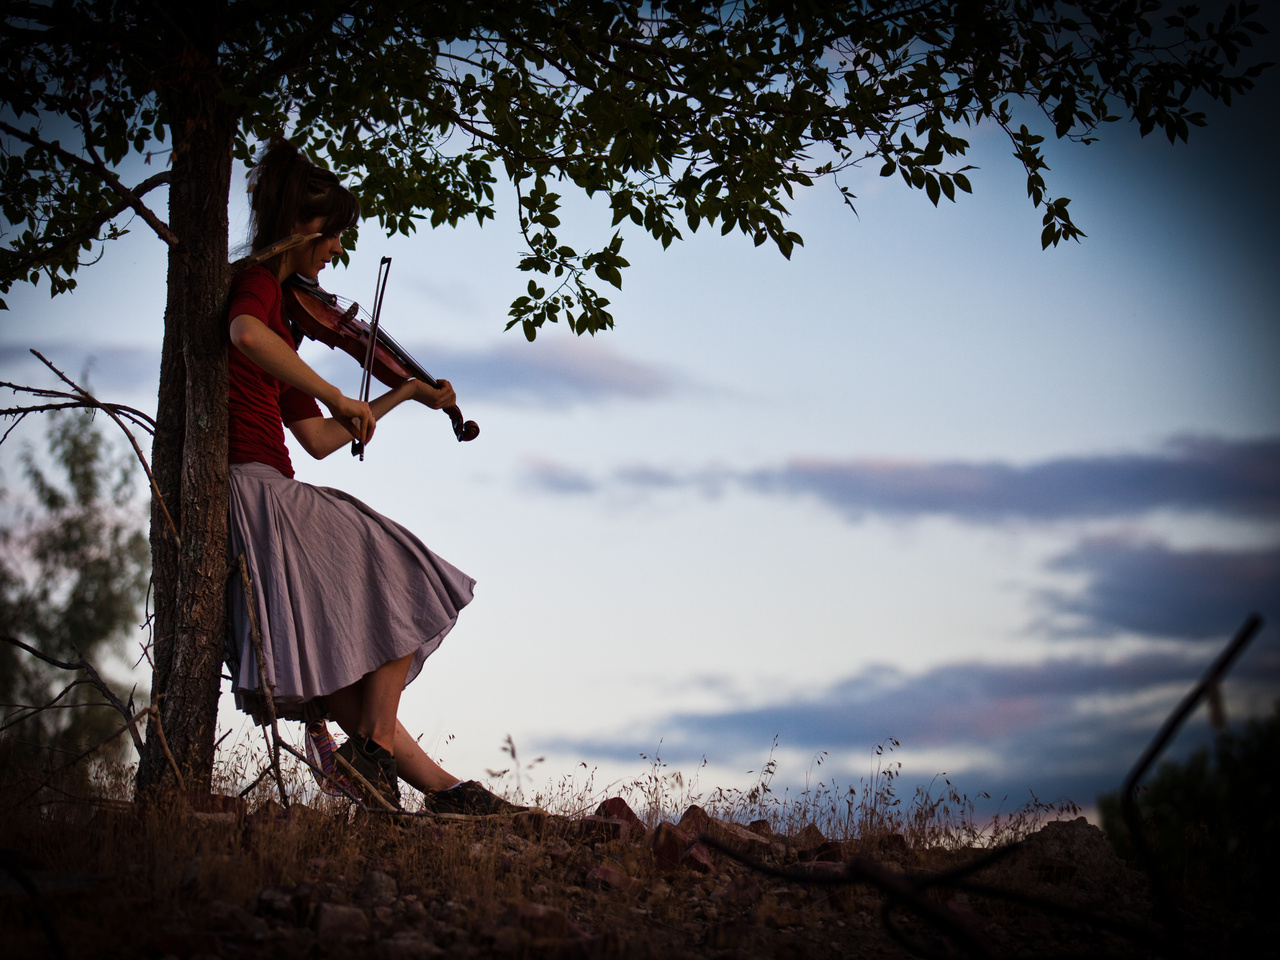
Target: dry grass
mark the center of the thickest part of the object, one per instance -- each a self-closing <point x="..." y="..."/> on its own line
<point x="245" y="878"/>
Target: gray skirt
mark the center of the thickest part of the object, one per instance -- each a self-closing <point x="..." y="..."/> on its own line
<point x="340" y="590"/>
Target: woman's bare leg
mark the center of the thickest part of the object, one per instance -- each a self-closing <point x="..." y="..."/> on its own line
<point x="368" y="707"/>
<point x="416" y="768"/>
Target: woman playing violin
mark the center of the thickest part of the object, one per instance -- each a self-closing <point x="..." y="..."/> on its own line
<point x="349" y="603"/>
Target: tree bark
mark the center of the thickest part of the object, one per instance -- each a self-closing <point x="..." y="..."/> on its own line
<point x="190" y="450"/>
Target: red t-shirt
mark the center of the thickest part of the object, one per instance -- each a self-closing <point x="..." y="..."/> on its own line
<point x="260" y="405"/>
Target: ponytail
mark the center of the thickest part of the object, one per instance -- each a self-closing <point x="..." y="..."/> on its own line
<point x="289" y="189"/>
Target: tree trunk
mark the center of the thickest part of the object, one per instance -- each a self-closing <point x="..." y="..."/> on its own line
<point x="190" y="450"/>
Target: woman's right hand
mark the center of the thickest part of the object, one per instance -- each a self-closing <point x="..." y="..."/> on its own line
<point x="356" y="416"/>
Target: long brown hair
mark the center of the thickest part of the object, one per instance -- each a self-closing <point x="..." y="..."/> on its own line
<point x="289" y="189"/>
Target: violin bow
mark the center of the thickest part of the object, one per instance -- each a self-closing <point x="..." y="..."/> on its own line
<point x="366" y="377"/>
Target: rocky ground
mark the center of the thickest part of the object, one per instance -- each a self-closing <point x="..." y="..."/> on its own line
<point x="173" y="881"/>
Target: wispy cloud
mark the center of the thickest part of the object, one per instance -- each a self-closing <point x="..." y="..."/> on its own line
<point x="555" y="374"/>
<point x="111" y="369"/>
<point x="1235" y="478"/>
<point x="1149" y="589"/>
<point x="1062" y="727"/>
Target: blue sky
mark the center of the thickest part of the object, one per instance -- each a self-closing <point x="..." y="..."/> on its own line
<point x="923" y="481"/>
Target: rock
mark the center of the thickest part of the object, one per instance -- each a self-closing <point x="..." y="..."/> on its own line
<point x="414" y="911"/>
<point x="608" y="877"/>
<point x="407" y="946"/>
<point x="831" y="851"/>
<point x="210" y="875"/>
<point x="669" y="844"/>
<point x="810" y="838"/>
<point x="336" y="922"/>
<point x="1075" y="857"/>
<point x="824" y="868"/>
<point x="232" y="918"/>
<point x="277" y="902"/>
<point x="617" y="809"/>
<point x="771" y="914"/>
<point x="595" y="829"/>
<point x="739" y="839"/>
<point x="698" y="858"/>
<point x="742" y="891"/>
<point x="318" y="867"/>
<point x="761" y="828"/>
<point x="696" y="822"/>
<point x="1053" y="870"/>
<point x="376" y="887"/>
<point x="542" y="921"/>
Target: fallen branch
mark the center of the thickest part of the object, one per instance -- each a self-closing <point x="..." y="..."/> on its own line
<point x="264" y="680"/>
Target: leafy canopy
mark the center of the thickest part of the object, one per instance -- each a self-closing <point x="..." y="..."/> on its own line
<point x="682" y="114"/>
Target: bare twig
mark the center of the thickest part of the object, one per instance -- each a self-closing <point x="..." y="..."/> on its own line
<point x="94" y="678"/>
<point x="96" y="404"/>
<point x="264" y="680"/>
<point x="1168" y="912"/>
<point x="34" y="710"/>
<point x="130" y="724"/>
<point x="154" y="712"/>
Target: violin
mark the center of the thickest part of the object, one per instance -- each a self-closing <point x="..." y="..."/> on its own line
<point x="314" y="312"/>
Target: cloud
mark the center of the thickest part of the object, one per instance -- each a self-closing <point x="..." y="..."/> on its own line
<point x="555" y="374"/>
<point x="1147" y="588"/>
<point x="1201" y="474"/>
<point x="112" y="369"/>
<point x="554" y="478"/>
<point x="1060" y="728"/>
<point x="1234" y="478"/>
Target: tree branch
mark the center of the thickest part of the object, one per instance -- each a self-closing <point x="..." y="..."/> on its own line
<point x="92" y="401"/>
<point x="293" y="54"/>
<point x="94" y="679"/>
<point x="87" y="232"/>
<point x="130" y="197"/>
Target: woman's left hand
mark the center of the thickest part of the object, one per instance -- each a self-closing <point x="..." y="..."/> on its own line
<point x="435" y="398"/>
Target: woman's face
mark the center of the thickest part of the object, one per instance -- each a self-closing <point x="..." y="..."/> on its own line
<point x="309" y="259"/>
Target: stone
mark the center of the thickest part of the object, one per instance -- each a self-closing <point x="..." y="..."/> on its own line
<point x="595" y="829"/>
<point x="831" y="851"/>
<point x="669" y="845"/>
<point x="762" y="828"/>
<point x="1076" y="858"/>
<point x="609" y="877"/>
<point x="277" y="902"/>
<point x="210" y="875"/>
<point x="739" y="838"/>
<point x="407" y="946"/>
<point x="617" y="809"/>
<point x="543" y="922"/>
<point x="741" y="891"/>
<point x="376" y="887"/>
<point x="810" y="838"/>
<point x="336" y="922"/>
<point x="698" y="858"/>
<point x="232" y="918"/>
<point x="696" y="822"/>
<point x="771" y="914"/>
